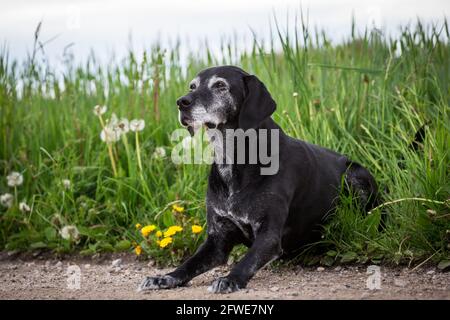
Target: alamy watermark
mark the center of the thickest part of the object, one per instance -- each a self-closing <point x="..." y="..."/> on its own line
<point x="230" y="146"/>
<point x="373" y="281"/>
<point x="73" y="273"/>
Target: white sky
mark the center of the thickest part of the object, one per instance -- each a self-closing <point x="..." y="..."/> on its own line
<point x="105" y="26"/>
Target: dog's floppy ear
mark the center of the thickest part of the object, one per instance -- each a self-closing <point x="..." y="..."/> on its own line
<point x="258" y="104"/>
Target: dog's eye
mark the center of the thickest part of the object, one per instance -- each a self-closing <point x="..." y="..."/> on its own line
<point x="192" y="87"/>
<point x="220" y="85"/>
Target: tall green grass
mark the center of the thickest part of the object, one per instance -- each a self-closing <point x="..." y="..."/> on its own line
<point x="365" y="97"/>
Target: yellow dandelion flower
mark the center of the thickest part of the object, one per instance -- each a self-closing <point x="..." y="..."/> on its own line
<point x="138" y="250"/>
<point x="197" y="229"/>
<point x="159" y="234"/>
<point x="165" y="242"/>
<point x="177" y="208"/>
<point x="147" y="230"/>
<point x="138" y="226"/>
<point x="172" y="231"/>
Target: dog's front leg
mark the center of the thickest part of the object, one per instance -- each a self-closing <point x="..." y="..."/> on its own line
<point x="213" y="252"/>
<point x="266" y="248"/>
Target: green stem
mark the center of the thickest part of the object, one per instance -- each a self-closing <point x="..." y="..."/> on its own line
<point x="110" y="153"/>
<point x="16" y="201"/>
<point x="138" y="152"/>
<point x="111" y="157"/>
<point x="127" y="150"/>
<point x="405" y="199"/>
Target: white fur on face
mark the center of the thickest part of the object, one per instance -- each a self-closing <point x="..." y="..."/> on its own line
<point x="216" y="112"/>
<point x="195" y="81"/>
<point x="215" y="79"/>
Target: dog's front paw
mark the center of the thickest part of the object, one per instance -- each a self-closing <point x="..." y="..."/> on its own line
<point x="160" y="282"/>
<point x="224" y="285"/>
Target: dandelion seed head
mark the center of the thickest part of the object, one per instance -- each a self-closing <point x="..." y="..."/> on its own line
<point x="24" y="207"/>
<point x="99" y="110"/>
<point x="137" y="125"/>
<point x="66" y="183"/>
<point x="159" y="153"/>
<point x="295" y="94"/>
<point x="14" y="179"/>
<point x="123" y="125"/>
<point x="69" y="233"/>
<point x="7" y="200"/>
<point x="110" y="134"/>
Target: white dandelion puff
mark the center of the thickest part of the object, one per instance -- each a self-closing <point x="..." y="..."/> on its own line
<point x="7" y="200"/>
<point x="99" y="110"/>
<point x="110" y="135"/>
<point x="69" y="233"/>
<point x="137" y="125"/>
<point x="295" y="94"/>
<point x="123" y="125"/>
<point x="66" y="184"/>
<point x="14" y="179"/>
<point x="159" y="153"/>
<point x="24" y="207"/>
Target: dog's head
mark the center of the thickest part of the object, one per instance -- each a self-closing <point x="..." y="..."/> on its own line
<point x="222" y="95"/>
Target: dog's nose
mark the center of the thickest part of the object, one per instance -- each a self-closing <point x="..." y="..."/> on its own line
<point x="184" y="102"/>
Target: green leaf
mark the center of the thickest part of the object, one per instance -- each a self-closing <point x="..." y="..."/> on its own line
<point x="123" y="245"/>
<point x="167" y="219"/>
<point x="362" y="259"/>
<point x="348" y="257"/>
<point x="50" y="233"/>
<point x="38" y="245"/>
<point x="331" y="253"/>
<point x="87" y="252"/>
<point x="327" y="261"/>
<point x="443" y="265"/>
<point x="105" y="246"/>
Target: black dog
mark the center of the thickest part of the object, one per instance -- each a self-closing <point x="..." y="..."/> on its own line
<point x="271" y="214"/>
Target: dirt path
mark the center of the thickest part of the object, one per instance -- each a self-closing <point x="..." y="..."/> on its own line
<point x="46" y="278"/>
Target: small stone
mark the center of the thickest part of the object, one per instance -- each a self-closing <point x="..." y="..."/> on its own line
<point x="59" y="264"/>
<point x="294" y="294"/>
<point x="400" y="283"/>
<point x="12" y="253"/>
<point x="151" y="263"/>
<point x="274" y="289"/>
<point x="338" y="268"/>
<point x="320" y="269"/>
<point x="116" y="263"/>
<point x="431" y="272"/>
<point x="365" y="295"/>
<point x="87" y="266"/>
